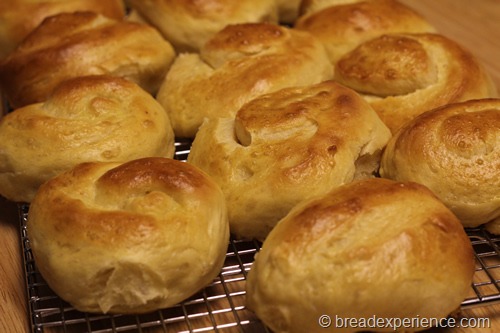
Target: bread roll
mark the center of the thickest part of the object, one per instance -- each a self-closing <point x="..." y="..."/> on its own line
<point x="343" y="25"/>
<point x="128" y="238"/>
<point x="285" y="147"/>
<point x="83" y="43"/>
<point x="238" y="64"/>
<point x="19" y="17"/>
<point x="372" y="248"/>
<point x="95" y="118"/>
<point x="188" y="24"/>
<point x="405" y="75"/>
<point x="455" y="151"/>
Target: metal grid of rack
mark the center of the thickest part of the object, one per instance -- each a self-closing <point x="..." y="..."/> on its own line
<point x="220" y="307"/>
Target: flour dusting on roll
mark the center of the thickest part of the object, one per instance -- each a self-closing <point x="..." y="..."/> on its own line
<point x="128" y="238"/>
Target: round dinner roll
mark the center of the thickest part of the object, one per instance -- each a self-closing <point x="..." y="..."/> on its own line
<point x="287" y="146"/>
<point x="188" y="24"/>
<point x="404" y="75"/>
<point x="83" y="43"/>
<point x="369" y="249"/>
<point x="238" y="64"/>
<point x="94" y="118"/>
<point x="455" y="151"/>
<point x="343" y="25"/>
<point x="128" y="238"/>
<point x="19" y="17"/>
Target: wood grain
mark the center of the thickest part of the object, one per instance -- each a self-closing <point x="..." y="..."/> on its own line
<point x="474" y="25"/>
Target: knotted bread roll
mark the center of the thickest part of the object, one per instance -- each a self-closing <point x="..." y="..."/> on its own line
<point x="128" y="238"/>
<point x="19" y="17"/>
<point x="343" y="25"/>
<point x="404" y="75"/>
<point x="372" y="248"/>
<point x="188" y="24"/>
<point x="95" y="118"/>
<point x="83" y="43"/>
<point x="238" y="64"/>
<point x="455" y="151"/>
<point x="285" y="147"/>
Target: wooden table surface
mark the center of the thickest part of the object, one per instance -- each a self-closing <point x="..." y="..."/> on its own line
<point x="475" y="25"/>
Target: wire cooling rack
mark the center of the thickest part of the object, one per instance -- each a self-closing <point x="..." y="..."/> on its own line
<point x="220" y="307"/>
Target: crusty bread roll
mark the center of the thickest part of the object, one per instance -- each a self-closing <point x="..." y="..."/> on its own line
<point x="19" y="17"/>
<point x="455" y="151"/>
<point x="372" y="248"/>
<point x="285" y="147"/>
<point x="238" y="64"/>
<point x="128" y="238"/>
<point x="188" y="24"/>
<point x="343" y="25"/>
<point x="404" y="75"/>
<point x="95" y="118"/>
<point x="83" y="43"/>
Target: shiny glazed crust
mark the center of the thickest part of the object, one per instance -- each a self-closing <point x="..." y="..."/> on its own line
<point x="405" y="75"/>
<point x="188" y="24"/>
<point x="83" y="43"/>
<point x="343" y="25"/>
<point x="95" y="118"/>
<point x="238" y="64"/>
<point x="128" y="238"/>
<point x="455" y="151"/>
<point x="287" y="146"/>
<point x="370" y="248"/>
<point x="19" y="17"/>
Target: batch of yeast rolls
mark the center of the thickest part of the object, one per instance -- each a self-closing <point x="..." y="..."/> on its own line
<point x="350" y="137"/>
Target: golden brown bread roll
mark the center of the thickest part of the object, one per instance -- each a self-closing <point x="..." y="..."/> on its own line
<point x="287" y="146"/>
<point x="343" y="25"/>
<point x="188" y="24"/>
<point x="370" y="248"/>
<point x="404" y="75"/>
<point x="238" y="64"/>
<point x="455" y="151"/>
<point x="83" y="43"/>
<point x="96" y="118"/>
<point x="128" y="238"/>
<point x="19" y="17"/>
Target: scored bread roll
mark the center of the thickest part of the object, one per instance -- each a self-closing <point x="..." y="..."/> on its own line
<point x="188" y="24"/>
<point x="404" y="75"/>
<point x="372" y="248"/>
<point x="128" y="238"/>
<point x="19" y="17"/>
<point x="455" y="151"/>
<point x="83" y="43"/>
<point x="286" y="146"/>
<point x="238" y="64"/>
<point x="95" y="118"/>
<point x="343" y="25"/>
